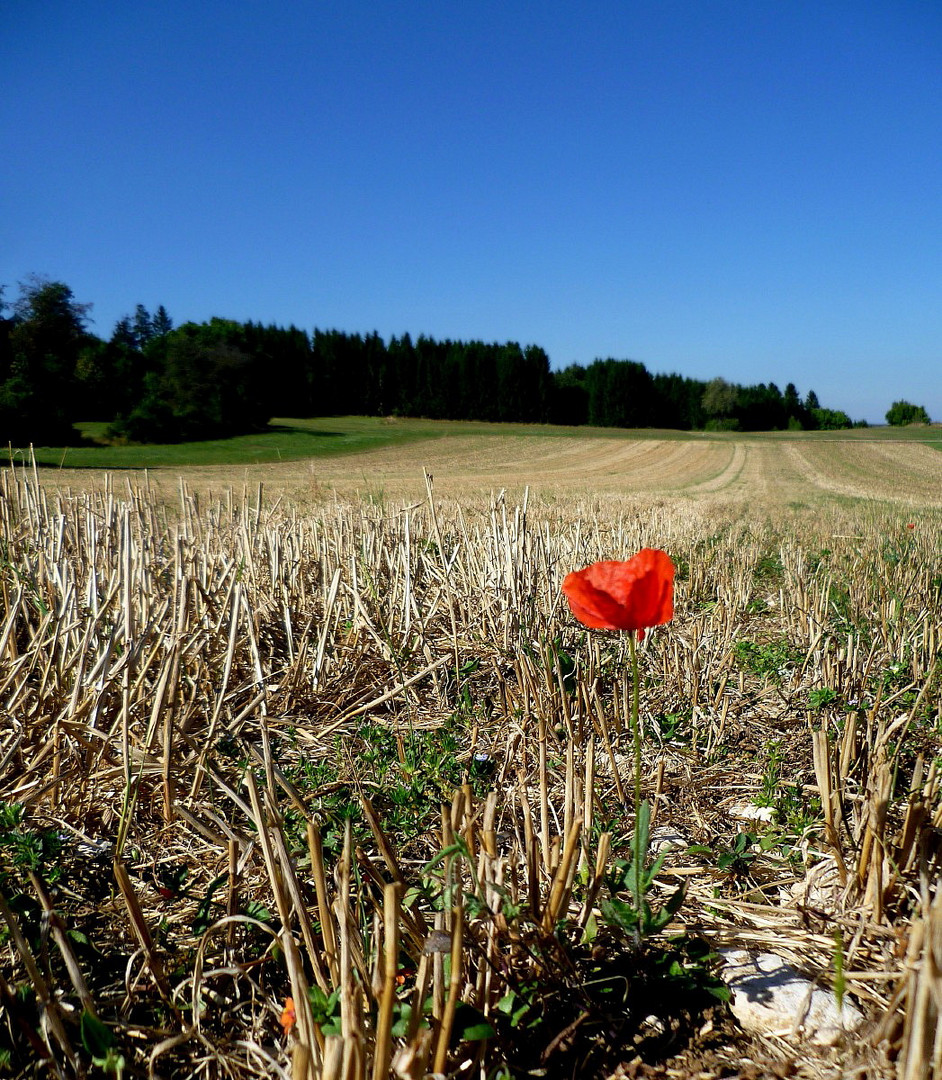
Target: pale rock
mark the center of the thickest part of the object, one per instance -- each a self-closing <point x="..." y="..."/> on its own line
<point x="751" y="812"/>
<point x="770" y="996"/>
<point x="665" y="839"/>
<point x="653" y="1026"/>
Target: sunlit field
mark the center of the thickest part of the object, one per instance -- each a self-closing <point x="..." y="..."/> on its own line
<point x="310" y="460"/>
<point x="307" y="769"/>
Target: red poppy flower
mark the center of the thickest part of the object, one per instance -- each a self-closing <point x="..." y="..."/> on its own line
<point x="911" y="525"/>
<point x="289" y="1016"/>
<point x="624" y="595"/>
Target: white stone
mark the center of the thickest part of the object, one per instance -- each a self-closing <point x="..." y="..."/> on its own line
<point x="751" y="812"/>
<point x="665" y="839"/>
<point x="770" y="996"/>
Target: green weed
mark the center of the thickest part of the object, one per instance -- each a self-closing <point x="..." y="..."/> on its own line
<point x="771" y="660"/>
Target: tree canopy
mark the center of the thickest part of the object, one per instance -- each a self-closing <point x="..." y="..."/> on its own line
<point x="39" y="352"/>
<point x="153" y="382"/>
<point x="901" y="413"/>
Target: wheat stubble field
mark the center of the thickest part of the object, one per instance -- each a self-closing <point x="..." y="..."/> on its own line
<point x="778" y="469"/>
<point x="306" y="769"/>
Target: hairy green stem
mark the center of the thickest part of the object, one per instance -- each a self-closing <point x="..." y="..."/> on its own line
<point x="636" y="734"/>
<point x="635" y="722"/>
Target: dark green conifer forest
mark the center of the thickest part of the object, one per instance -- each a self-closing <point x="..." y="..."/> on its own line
<point x="154" y="382"/>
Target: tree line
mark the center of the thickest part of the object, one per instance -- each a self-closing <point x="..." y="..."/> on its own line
<point x="154" y="382"/>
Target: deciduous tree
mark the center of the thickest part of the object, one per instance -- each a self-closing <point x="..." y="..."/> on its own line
<point x="901" y="413"/>
<point x="46" y="336"/>
<point x="719" y="398"/>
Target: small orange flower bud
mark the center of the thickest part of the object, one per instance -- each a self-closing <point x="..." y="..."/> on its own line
<point x="288" y="1017"/>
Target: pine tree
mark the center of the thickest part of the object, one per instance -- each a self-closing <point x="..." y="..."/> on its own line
<point x="143" y="326"/>
<point x="161" y="323"/>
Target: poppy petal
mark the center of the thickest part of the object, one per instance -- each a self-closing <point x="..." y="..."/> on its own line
<point x="592" y="605"/>
<point x="627" y="595"/>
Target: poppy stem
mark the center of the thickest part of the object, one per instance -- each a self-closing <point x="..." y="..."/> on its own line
<point x="635" y="720"/>
<point x="639" y="855"/>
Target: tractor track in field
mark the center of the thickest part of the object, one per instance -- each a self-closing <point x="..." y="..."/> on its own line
<point x="888" y="472"/>
<point x="781" y="471"/>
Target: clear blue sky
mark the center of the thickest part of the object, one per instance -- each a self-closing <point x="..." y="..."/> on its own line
<point x="750" y="189"/>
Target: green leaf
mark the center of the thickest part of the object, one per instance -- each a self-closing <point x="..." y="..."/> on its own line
<point x="652" y="871"/>
<point x="617" y="913"/>
<point x="97" y="1038"/>
<point x="477" y="1032"/>
<point x="639" y="841"/>
<point x="511" y="1005"/>
<point x="325" y="1008"/>
<point x="657" y="922"/>
<point x="674" y="904"/>
<point x="401" y="1024"/>
<point x="471" y="1024"/>
<point x="255" y="910"/>
<point x="506" y="1003"/>
<point x="202" y="920"/>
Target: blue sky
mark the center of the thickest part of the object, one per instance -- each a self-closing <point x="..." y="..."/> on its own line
<point x="750" y="189"/>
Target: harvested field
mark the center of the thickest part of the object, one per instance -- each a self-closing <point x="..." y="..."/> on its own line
<point x="328" y="732"/>
<point x="774" y="471"/>
<point x="893" y="471"/>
